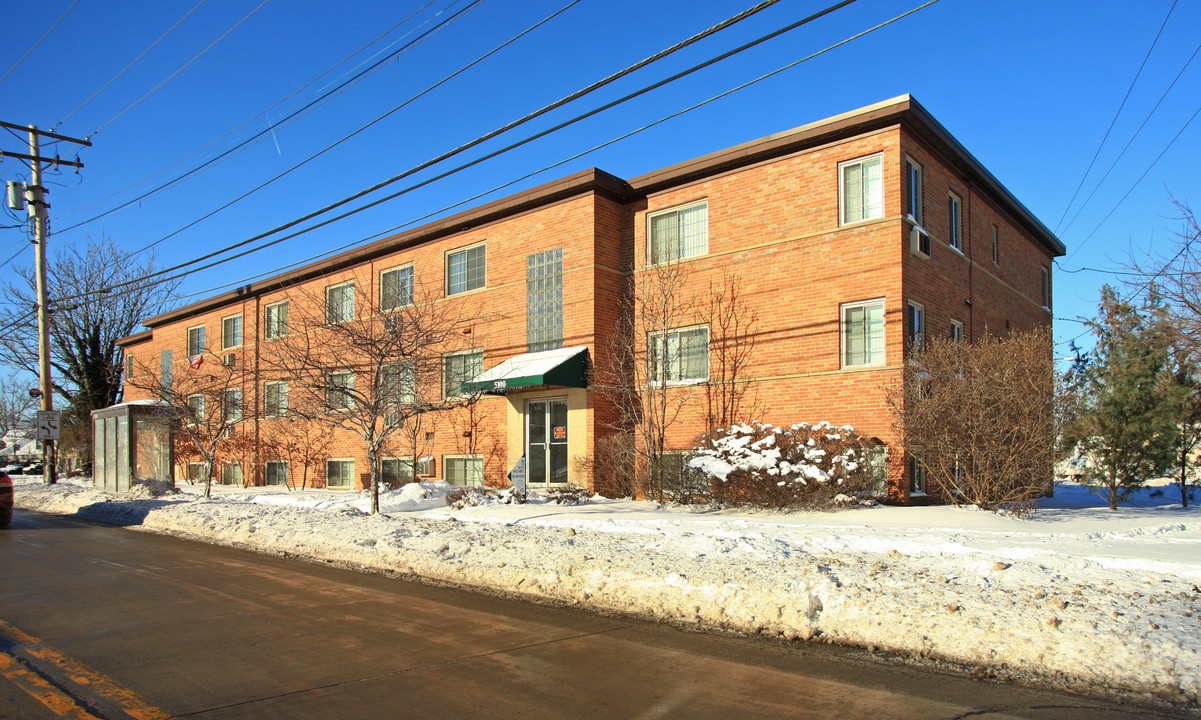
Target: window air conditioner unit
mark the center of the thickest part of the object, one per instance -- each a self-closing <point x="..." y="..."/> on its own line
<point x="919" y="241"/>
<point x="229" y="359"/>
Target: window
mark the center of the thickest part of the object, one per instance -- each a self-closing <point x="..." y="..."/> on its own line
<point x="917" y="472"/>
<point x="339" y="303"/>
<point x="276" y="324"/>
<point x="466" y="269"/>
<point x="1045" y="287"/>
<point x="956" y="331"/>
<point x="397" y="388"/>
<point x="954" y="236"/>
<point x="395" y="288"/>
<point x="231" y="474"/>
<point x="339" y="390"/>
<point x="458" y="368"/>
<point x="275" y="472"/>
<point x="395" y="472"/>
<point x="166" y="373"/>
<point x="680" y="482"/>
<point x="275" y="398"/>
<point x="544" y="300"/>
<point x="425" y="463"/>
<point x="464" y="470"/>
<point x="196" y="341"/>
<point x="996" y="247"/>
<point x="862" y="333"/>
<point x="195" y="471"/>
<point x="877" y="468"/>
<point x="339" y="474"/>
<point x="678" y="355"/>
<point x="231" y="332"/>
<point x="915" y="326"/>
<point x="678" y="234"/>
<point x="913" y="190"/>
<point x="231" y="404"/>
<point x="196" y="405"/>
<point x="128" y="367"/>
<point x="861" y="187"/>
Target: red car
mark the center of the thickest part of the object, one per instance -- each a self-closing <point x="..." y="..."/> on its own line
<point x="6" y="499"/>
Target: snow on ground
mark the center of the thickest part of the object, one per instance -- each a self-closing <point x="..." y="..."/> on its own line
<point x="1073" y="592"/>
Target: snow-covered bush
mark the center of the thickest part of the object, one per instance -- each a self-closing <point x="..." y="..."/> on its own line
<point x="782" y="467"/>
<point x="464" y="497"/>
<point x="568" y="496"/>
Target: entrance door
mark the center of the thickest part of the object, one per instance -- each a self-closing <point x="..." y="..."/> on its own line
<point x="546" y="441"/>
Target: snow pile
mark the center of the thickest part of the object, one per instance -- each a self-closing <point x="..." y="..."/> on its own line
<point x="1075" y="591"/>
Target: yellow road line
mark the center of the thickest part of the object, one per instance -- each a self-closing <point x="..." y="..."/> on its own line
<point x="57" y="701"/>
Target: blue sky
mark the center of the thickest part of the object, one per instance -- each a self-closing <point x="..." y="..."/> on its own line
<point x="1028" y="87"/>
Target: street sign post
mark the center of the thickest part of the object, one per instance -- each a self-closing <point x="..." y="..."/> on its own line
<point x="517" y="476"/>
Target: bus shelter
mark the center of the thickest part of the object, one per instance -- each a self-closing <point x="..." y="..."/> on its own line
<point x="132" y="441"/>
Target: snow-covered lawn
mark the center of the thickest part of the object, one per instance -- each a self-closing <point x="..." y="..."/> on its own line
<point x="1074" y="592"/>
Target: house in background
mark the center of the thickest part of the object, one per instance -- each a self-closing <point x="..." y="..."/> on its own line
<point x="850" y="239"/>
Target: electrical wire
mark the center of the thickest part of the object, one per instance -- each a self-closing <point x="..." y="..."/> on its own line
<point x="39" y="42"/>
<point x="277" y="103"/>
<point x="1115" y="115"/>
<point x="661" y="120"/>
<point x="131" y="64"/>
<point x="181" y="69"/>
<point x="271" y="128"/>
<point x="344" y="138"/>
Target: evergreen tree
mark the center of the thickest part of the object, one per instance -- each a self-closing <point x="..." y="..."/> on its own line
<point x="1123" y="418"/>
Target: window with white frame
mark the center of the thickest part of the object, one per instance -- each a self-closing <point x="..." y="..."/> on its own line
<point x="339" y="303"/>
<point x="464" y="470"/>
<point x="956" y="331"/>
<point x="397" y="387"/>
<point x="231" y="404"/>
<point x="466" y="269"/>
<point x="275" y="472"/>
<point x="458" y="368"/>
<point x="275" y="323"/>
<point x="231" y="332"/>
<point x="544" y="300"/>
<point x="915" y="325"/>
<point x="955" y="229"/>
<point x="1045" y="287"/>
<point x="395" y="288"/>
<point x="396" y="471"/>
<point x="231" y="474"/>
<point x="196" y="407"/>
<point x="862" y="333"/>
<point x="275" y="398"/>
<point x="196" y="340"/>
<point x="913" y="190"/>
<point x="339" y="390"/>
<point x="678" y="355"/>
<point x="861" y="190"/>
<point x="339" y="474"/>
<point x="679" y="233"/>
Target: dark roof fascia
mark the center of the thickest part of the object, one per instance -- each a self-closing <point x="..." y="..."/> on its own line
<point x="135" y="338"/>
<point x="591" y="180"/>
<point x="903" y="110"/>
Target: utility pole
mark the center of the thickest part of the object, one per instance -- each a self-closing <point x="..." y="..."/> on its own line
<point x="35" y="196"/>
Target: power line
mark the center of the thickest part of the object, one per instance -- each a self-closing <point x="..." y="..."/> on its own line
<point x="270" y="128"/>
<point x="1115" y="115"/>
<point x="181" y="68"/>
<point x="344" y="138"/>
<point x="543" y="169"/>
<point x="263" y="113"/>
<point x="39" y="42"/>
<point x="131" y="64"/>
<point x="1131" y="141"/>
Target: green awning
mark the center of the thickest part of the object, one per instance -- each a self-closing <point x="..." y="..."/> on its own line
<point x="564" y="367"/>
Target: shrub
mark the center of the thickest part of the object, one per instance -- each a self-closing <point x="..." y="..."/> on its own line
<point x="464" y="497"/>
<point x="788" y="467"/>
<point x="568" y="496"/>
<point x="612" y="467"/>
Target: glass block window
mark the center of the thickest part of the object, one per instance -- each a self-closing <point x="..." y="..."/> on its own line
<point x="466" y="269"/>
<point x="395" y="288"/>
<point x="544" y="300"/>
<point x="678" y="234"/>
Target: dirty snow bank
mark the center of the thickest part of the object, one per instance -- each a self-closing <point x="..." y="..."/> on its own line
<point x="1076" y="592"/>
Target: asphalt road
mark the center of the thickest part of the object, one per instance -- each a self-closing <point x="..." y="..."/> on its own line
<point x="100" y="622"/>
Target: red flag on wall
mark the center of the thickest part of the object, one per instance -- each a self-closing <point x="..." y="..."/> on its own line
<point x="196" y="361"/>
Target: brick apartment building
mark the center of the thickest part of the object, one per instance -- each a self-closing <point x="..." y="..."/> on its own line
<point x="846" y="237"/>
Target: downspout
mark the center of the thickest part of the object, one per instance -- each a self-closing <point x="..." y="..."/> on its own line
<point x="971" y="266"/>
<point x="258" y="462"/>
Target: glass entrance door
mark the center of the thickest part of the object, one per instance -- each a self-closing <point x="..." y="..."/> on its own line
<point x="546" y="441"/>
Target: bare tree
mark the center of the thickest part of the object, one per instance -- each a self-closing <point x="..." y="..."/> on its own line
<point x="17" y="406"/>
<point x="300" y="442"/>
<point x="366" y="369"/>
<point x="88" y="320"/>
<point x="981" y="417"/>
<point x="205" y="402"/>
<point x="474" y="434"/>
<point x="413" y="438"/>
<point x="730" y="395"/>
